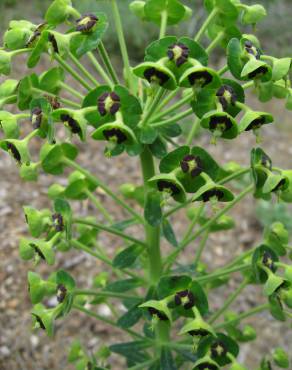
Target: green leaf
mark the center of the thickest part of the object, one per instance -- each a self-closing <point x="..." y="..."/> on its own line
<point x="281" y="68"/>
<point x="281" y="358"/>
<point x="276" y="308"/>
<point x="133" y="351"/>
<point x="172" y="160"/>
<point x="24" y="91"/>
<point x="166" y="360"/>
<point x="158" y="148"/>
<point x="175" y="11"/>
<point x="234" y="60"/>
<point x="128" y="256"/>
<point x="40" y="47"/>
<point x="152" y="211"/>
<point x="131" y="317"/>
<point x="50" y="80"/>
<point x="148" y="134"/>
<point x="168" y="233"/>
<point x="124" y="285"/>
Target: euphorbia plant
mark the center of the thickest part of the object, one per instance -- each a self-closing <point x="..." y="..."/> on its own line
<point x="165" y="312"/>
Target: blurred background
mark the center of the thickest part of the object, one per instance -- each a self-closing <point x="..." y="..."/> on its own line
<point x="20" y="348"/>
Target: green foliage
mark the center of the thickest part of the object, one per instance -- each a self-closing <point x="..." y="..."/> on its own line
<point x="141" y="114"/>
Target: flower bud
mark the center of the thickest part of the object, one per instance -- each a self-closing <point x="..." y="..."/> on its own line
<point x="253" y="14"/>
<point x="137" y="8"/>
<point x="281" y="358"/>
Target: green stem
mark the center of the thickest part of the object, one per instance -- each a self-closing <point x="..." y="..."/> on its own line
<point x="222" y="272"/>
<point x="99" y="68"/>
<point x="76" y="244"/>
<point x="72" y="71"/>
<point x="168" y="98"/>
<point x="242" y="316"/>
<point x="107" y="321"/>
<point x="215" y="42"/>
<point x="8" y="100"/>
<point x="240" y="258"/>
<point x="71" y="90"/>
<point x="152" y="107"/>
<point x="107" y="62"/>
<point x="202" y="245"/>
<point x="102" y="257"/>
<point x="247" y="84"/>
<point x="173" y="119"/>
<point x="163" y="24"/>
<point x="23" y="115"/>
<point x="152" y="233"/>
<point x="102" y="293"/>
<point x="234" y="175"/>
<point x="174" y="107"/>
<point x="83" y="69"/>
<point x="223" y="70"/>
<point x="231" y="298"/>
<point x="99" y="206"/>
<point x="206" y="24"/>
<point x="193" y="131"/>
<point x="70" y="103"/>
<point x="122" y="41"/>
<point x="109" y="230"/>
<point x="171" y="258"/>
<point x="193" y="222"/>
<point x="103" y="186"/>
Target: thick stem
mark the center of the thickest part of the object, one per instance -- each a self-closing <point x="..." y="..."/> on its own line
<point x="153" y="244"/>
<point x="152" y="233"/>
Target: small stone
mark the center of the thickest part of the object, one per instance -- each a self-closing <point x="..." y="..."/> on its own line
<point x="4" y="351"/>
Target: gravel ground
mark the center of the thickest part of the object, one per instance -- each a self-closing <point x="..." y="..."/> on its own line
<point x="20" y="348"/>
